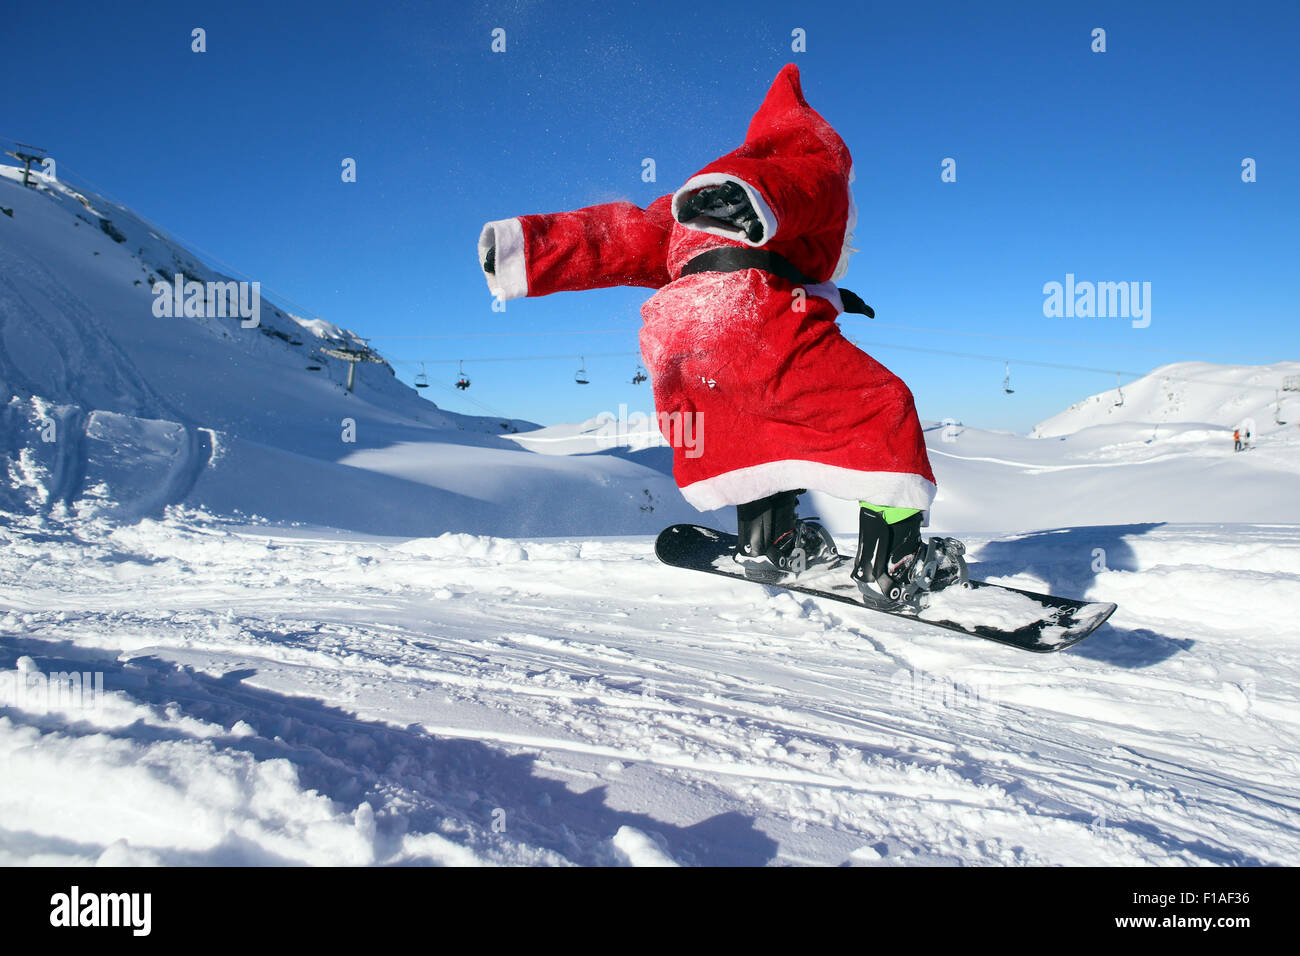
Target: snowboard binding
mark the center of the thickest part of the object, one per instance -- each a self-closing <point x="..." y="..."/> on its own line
<point x="774" y="544"/>
<point x="895" y="568"/>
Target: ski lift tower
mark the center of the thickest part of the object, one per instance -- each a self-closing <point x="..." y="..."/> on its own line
<point x="27" y="158"/>
<point x="352" y="356"/>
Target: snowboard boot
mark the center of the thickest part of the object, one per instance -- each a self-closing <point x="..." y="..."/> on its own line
<point x="773" y="543"/>
<point x="895" y="566"/>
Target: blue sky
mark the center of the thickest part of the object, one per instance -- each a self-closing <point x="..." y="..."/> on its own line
<point x="1115" y="166"/>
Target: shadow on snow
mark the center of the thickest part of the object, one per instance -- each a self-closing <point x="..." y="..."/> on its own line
<point x="1067" y="561"/>
<point x="351" y="761"/>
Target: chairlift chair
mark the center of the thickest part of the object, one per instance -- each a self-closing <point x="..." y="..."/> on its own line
<point x="580" y="376"/>
<point x="639" y="376"/>
<point x="462" y="382"/>
<point x="1006" y="382"/>
<point x="1119" y="387"/>
<point x="422" y="380"/>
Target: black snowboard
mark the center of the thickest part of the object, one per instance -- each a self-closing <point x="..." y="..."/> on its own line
<point x="1044" y="622"/>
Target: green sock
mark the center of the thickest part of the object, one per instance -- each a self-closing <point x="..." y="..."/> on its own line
<point x="891" y="515"/>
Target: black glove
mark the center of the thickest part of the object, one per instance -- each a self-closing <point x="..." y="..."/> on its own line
<point x="853" y="303"/>
<point x="490" y="261"/>
<point x="726" y="202"/>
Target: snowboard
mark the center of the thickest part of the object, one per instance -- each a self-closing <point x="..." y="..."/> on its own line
<point x="1041" y="623"/>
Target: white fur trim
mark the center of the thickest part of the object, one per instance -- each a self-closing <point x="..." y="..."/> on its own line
<point x="828" y="291"/>
<point x="846" y="249"/>
<point x="893" y="488"/>
<point x="716" y="227"/>
<point x="510" y="280"/>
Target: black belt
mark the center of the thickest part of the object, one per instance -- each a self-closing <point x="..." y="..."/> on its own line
<point x="736" y="258"/>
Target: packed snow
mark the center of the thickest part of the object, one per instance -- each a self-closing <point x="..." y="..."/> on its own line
<point x="294" y="697"/>
<point x="228" y="635"/>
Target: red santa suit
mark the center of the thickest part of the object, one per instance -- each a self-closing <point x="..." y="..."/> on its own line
<point x="778" y="398"/>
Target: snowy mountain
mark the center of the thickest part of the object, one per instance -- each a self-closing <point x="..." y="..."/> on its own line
<point x="1165" y="454"/>
<point x="113" y="408"/>
<point x="1220" y="397"/>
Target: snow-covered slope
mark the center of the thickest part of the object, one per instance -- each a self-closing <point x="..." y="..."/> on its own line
<point x="298" y="698"/>
<point x="1118" y="472"/>
<point x="1191" y="393"/>
<point x="110" y="408"/>
<point x="1112" y="474"/>
<point x="1166" y="454"/>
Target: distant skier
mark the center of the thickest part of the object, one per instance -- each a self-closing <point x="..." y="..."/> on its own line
<point x="742" y="333"/>
<point x="1236" y="439"/>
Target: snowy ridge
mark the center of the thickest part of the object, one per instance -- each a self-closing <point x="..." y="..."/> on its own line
<point x="111" y="409"/>
<point x="1190" y="393"/>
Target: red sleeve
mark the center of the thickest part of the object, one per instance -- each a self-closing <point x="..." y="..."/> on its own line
<point x="592" y="248"/>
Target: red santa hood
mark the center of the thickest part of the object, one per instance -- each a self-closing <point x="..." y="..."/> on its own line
<point x="797" y="173"/>
<point x="786" y="125"/>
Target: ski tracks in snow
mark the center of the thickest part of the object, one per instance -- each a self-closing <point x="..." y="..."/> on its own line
<point x="330" y="698"/>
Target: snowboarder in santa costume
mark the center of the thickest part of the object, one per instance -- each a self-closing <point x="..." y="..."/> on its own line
<point x="742" y="333"/>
